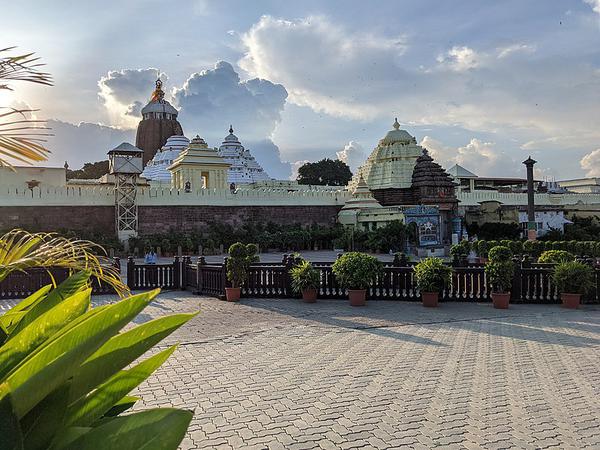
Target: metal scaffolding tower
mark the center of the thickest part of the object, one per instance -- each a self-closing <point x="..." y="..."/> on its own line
<point x="125" y="163"/>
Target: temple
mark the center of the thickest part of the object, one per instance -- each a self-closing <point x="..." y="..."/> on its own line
<point x="156" y="169"/>
<point x="244" y="168"/>
<point x="159" y="123"/>
<point x="400" y="181"/>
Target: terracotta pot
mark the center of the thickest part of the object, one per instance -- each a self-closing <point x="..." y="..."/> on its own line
<point x="358" y="297"/>
<point x="232" y="294"/>
<point x="500" y="299"/>
<point x="430" y="299"/>
<point x="309" y="295"/>
<point x="570" y="301"/>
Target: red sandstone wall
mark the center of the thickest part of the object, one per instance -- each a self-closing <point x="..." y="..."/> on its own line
<point x="52" y="218"/>
<point x="154" y="219"/>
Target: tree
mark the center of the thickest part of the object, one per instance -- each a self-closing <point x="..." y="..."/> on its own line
<point x="89" y="171"/>
<point x="325" y="172"/>
<point x="21" y="138"/>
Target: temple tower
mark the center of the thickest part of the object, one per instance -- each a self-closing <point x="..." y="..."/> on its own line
<point x="159" y="122"/>
<point x="199" y="167"/>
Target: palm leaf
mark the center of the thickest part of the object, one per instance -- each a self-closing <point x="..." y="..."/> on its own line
<point x="23" y="142"/>
<point x="21" y="250"/>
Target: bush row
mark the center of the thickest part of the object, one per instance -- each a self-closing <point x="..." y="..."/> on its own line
<point x="531" y="248"/>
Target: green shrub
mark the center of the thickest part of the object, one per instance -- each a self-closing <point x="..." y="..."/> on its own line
<point x="355" y="270"/>
<point x="516" y="247"/>
<point x="556" y="256"/>
<point x="460" y="249"/>
<point x="500" y="275"/>
<point x="66" y="371"/>
<point x="481" y="247"/>
<point x="304" y="276"/>
<point x="431" y="275"/>
<point x="573" y="277"/>
<point x="500" y="253"/>
<point x="238" y="263"/>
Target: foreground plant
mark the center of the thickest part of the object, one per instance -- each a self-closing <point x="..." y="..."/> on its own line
<point x="306" y="280"/>
<point x="499" y="271"/>
<point x="65" y="373"/>
<point x="431" y="276"/>
<point x="357" y="272"/>
<point x="21" y="250"/>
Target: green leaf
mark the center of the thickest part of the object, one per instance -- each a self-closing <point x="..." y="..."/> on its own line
<point x="9" y="320"/>
<point x="41" y="329"/>
<point x="122" y="350"/>
<point x="64" y="290"/>
<point x="40" y="424"/>
<point x="57" y="359"/>
<point x="10" y="431"/>
<point x="155" y="429"/>
<point x="121" y="406"/>
<point x="88" y="409"/>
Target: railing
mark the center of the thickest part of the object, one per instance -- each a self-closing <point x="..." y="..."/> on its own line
<point x="152" y="276"/>
<point x="22" y="284"/>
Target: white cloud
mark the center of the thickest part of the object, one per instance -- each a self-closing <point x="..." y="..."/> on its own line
<point x="595" y="4"/>
<point x="353" y="154"/>
<point x="321" y="64"/>
<point x="83" y="142"/>
<point x="211" y="100"/>
<point x="460" y="59"/>
<point x="591" y="163"/>
<point x="516" y="48"/>
<point x="295" y="166"/>
<point x="124" y="92"/>
<point x="480" y="157"/>
<point x="267" y="154"/>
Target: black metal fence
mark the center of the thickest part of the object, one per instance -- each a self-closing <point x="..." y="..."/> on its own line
<point x="532" y="283"/>
<point x="22" y="284"/>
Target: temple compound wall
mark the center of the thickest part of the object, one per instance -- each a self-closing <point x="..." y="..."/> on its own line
<point x="161" y="210"/>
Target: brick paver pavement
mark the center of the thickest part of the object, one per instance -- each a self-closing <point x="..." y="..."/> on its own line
<point x="272" y="374"/>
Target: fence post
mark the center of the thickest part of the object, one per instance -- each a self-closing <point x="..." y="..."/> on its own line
<point x="516" y="282"/>
<point x="176" y="273"/>
<point x="117" y="263"/>
<point x="130" y="273"/>
<point x="184" y="272"/>
<point x="288" y="263"/>
<point x="199" y="274"/>
<point x="224" y="276"/>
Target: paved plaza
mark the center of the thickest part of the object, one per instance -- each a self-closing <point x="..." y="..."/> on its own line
<point x="272" y="374"/>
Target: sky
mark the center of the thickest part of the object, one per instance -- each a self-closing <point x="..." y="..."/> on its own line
<point x="482" y="83"/>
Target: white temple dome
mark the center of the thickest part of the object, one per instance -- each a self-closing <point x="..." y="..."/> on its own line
<point x="244" y="168"/>
<point x="398" y="135"/>
<point x="156" y="169"/>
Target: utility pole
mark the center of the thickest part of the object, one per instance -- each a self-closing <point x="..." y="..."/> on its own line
<point x="531" y="224"/>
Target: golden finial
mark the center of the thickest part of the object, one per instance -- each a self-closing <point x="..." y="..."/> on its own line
<point x="396" y="124"/>
<point x="158" y="94"/>
<point x="230" y="129"/>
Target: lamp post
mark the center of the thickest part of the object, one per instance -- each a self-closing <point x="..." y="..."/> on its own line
<point x="531" y="224"/>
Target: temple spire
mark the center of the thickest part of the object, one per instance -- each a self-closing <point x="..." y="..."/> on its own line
<point x="396" y="124"/>
<point x="230" y="129"/>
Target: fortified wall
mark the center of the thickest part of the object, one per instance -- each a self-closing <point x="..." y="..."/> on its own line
<point x="161" y="209"/>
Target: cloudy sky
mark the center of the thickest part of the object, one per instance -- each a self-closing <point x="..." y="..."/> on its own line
<point x="479" y="83"/>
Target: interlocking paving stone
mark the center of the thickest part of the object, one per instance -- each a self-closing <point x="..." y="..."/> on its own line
<point x="275" y="373"/>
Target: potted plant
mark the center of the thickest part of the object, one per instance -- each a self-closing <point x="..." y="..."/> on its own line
<point x="240" y="258"/>
<point x="357" y="272"/>
<point x="431" y="275"/>
<point x="573" y="279"/>
<point x="499" y="271"/>
<point x="305" y="280"/>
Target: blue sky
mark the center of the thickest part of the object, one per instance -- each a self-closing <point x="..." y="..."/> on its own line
<point x="481" y="83"/>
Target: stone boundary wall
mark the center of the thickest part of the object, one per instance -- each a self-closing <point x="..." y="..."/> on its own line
<point x="520" y="199"/>
<point x="104" y="196"/>
<point x="158" y="219"/>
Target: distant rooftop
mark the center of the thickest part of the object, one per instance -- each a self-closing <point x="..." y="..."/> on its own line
<point x="458" y="171"/>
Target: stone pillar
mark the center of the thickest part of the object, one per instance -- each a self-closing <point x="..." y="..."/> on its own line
<point x="531" y="225"/>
